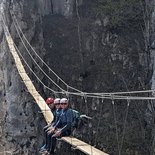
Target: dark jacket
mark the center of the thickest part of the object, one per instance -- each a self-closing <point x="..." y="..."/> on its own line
<point x="57" y="115"/>
<point x="65" y="121"/>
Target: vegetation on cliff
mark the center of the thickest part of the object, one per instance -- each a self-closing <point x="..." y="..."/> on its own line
<point x="121" y="12"/>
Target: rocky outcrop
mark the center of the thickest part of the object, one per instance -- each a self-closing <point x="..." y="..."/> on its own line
<point x="19" y="121"/>
<point x="63" y="7"/>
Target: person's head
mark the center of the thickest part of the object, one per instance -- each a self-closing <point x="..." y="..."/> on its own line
<point x="57" y="103"/>
<point x="64" y="103"/>
<point x="50" y="102"/>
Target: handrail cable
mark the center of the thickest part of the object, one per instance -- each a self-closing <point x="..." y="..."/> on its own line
<point x="125" y="119"/>
<point x="40" y="57"/>
<point x="25" y="60"/>
<point x="35" y="60"/>
<point x="143" y="91"/>
<point x="38" y="77"/>
<point x="99" y="121"/>
<point x="93" y="96"/>
<point x="115" y="120"/>
<point x="124" y="126"/>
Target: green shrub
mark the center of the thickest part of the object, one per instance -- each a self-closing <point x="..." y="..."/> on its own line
<point x="121" y="12"/>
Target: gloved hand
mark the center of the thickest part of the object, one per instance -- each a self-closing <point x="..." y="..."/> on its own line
<point x="57" y="134"/>
<point x="51" y="130"/>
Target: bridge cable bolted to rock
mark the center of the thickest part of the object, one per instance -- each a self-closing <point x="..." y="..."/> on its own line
<point x="84" y="147"/>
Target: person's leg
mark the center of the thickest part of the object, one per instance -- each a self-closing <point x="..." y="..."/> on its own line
<point x="44" y="144"/>
<point x="48" y="142"/>
<point x="47" y="137"/>
<point x="53" y="145"/>
<point x="54" y="139"/>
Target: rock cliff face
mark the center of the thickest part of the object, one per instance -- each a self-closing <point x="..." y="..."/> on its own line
<point x="79" y="46"/>
<point x="19" y="121"/>
<point x="63" y="7"/>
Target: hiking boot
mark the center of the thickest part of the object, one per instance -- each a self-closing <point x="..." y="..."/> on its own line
<point x="43" y="148"/>
<point x="50" y="153"/>
<point x="44" y="152"/>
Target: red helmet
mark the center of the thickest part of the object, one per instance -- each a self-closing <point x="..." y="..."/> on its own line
<point x="49" y="101"/>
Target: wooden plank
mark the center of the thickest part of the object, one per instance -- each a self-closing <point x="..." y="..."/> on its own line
<point x="30" y="87"/>
<point x="82" y="146"/>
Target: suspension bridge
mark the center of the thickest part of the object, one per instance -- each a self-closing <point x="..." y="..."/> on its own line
<point x="76" y="143"/>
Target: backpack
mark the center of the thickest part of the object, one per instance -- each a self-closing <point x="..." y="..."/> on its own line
<point x="79" y="121"/>
<point x="76" y="118"/>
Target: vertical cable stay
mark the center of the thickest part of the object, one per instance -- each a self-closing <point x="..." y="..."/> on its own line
<point x="85" y="98"/>
<point x="98" y="123"/>
<point x="115" y="120"/>
<point x="124" y="126"/>
<point x="102" y="100"/>
<point x="67" y="92"/>
<point x="86" y="103"/>
<point x="71" y="127"/>
<point x="126" y="114"/>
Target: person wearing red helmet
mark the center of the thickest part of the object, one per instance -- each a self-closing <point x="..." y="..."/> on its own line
<point x="51" y="129"/>
<point x="50" y="102"/>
